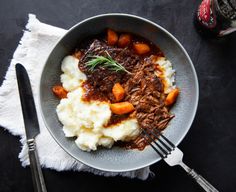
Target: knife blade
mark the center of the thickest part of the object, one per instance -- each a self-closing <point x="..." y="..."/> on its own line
<point x="31" y="126"/>
<point x="27" y="103"/>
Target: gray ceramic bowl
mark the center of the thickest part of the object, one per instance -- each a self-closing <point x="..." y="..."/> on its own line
<point x="119" y="159"/>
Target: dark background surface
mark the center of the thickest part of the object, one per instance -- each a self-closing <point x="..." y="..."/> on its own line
<point x="210" y="144"/>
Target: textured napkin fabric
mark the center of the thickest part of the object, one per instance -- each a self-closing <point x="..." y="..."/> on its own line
<point x="32" y="51"/>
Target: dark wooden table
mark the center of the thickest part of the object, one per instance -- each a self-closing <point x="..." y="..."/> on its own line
<point x="210" y="144"/>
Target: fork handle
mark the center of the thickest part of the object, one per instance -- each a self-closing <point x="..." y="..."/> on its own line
<point x="199" y="179"/>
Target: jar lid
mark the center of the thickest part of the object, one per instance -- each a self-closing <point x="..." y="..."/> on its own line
<point x="232" y="4"/>
<point x="227" y="8"/>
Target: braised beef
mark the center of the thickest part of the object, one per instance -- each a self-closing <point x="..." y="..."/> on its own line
<point x="102" y="79"/>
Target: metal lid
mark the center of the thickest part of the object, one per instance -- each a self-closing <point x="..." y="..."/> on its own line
<point x="227" y="8"/>
<point x="232" y="4"/>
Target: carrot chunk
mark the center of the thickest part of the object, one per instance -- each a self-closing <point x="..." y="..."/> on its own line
<point x="78" y="54"/>
<point x="118" y="92"/>
<point x="122" y="108"/>
<point x="59" y="91"/>
<point x="141" y="48"/>
<point x="124" y="40"/>
<point x="112" y="37"/>
<point x="171" y="97"/>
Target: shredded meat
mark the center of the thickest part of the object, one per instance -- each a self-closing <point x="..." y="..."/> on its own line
<point x="145" y="91"/>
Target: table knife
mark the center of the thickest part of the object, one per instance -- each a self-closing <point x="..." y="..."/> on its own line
<point x="31" y="126"/>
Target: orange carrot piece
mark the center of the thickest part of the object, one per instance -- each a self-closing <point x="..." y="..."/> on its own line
<point x="78" y="54"/>
<point x="112" y="37"/>
<point x="122" y="108"/>
<point x="171" y="97"/>
<point x="141" y="48"/>
<point x="124" y="40"/>
<point x="59" y="91"/>
<point x="118" y="92"/>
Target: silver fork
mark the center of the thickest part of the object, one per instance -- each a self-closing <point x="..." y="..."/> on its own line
<point x="173" y="156"/>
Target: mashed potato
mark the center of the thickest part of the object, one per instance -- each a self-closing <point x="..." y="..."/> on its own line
<point x="168" y="74"/>
<point x="87" y="120"/>
<point x="72" y="77"/>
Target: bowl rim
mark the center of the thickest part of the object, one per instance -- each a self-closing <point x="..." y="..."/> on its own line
<point x="155" y="25"/>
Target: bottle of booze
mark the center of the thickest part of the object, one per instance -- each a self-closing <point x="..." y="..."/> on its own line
<point x="216" y="17"/>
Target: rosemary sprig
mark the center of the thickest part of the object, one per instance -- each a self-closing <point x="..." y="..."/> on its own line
<point x="106" y="62"/>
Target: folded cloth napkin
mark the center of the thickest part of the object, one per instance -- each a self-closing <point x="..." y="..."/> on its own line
<point x="36" y="44"/>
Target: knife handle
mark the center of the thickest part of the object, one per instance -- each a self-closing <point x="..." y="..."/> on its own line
<point x="37" y="175"/>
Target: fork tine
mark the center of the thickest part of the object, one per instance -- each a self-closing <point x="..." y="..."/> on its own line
<point x="157" y="144"/>
<point x="169" y="148"/>
<point x="167" y="140"/>
<point x="150" y="143"/>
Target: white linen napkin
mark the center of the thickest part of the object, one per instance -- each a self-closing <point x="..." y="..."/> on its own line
<point x="36" y="44"/>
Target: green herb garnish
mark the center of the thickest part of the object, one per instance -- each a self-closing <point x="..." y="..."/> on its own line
<point x="106" y="62"/>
